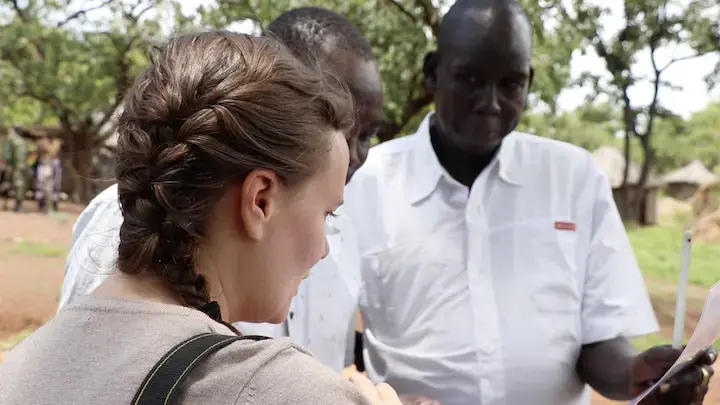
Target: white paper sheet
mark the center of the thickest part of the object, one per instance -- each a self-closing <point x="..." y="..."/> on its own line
<point x="703" y="337"/>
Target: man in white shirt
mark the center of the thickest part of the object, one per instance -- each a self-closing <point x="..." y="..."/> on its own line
<point x="496" y="268"/>
<point x="322" y="316"/>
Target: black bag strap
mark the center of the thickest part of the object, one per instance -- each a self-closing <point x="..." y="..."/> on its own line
<point x="161" y="383"/>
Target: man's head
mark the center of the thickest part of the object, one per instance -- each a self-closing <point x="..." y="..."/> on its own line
<point x="316" y="32"/>
<point x="481" y="72"/>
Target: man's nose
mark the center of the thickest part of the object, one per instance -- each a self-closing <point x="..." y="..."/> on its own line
<point x="486" y="100"/>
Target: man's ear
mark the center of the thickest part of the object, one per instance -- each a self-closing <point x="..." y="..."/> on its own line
<point x="531" y="77"/>
<point x="430" y="65"/>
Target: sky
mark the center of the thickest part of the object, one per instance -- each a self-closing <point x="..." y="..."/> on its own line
<point x="689" y="75"/>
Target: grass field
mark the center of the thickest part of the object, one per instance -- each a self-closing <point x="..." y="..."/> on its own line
<point x="658" y="250"/>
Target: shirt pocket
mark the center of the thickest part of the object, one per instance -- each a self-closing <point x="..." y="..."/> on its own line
<point x="545" y="263"/>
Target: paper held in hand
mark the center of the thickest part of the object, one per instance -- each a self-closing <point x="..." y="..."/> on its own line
<point x="704" y="335"/>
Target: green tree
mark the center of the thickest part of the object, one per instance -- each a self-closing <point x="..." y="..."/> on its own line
<point x="679" y="142"/>
<point x="702" y="131"/>
<point x="76" y="68"/>
<point x="402" y="32"/>
<point x="589" y="127"/>
<point x="648" y="25"/>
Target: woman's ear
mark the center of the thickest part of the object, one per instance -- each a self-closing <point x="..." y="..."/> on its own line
<point x="258" y="199"/>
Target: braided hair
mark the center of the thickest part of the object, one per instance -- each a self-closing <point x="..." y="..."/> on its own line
<point x="211" y="108"/>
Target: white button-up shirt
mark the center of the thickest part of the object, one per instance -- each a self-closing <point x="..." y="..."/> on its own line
<point x="322" y="314"/>
<point x="484" y="296"/>
<point x="93" y="252"/>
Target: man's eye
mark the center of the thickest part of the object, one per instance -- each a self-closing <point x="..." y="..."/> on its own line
<point x="466" y="77"/>
<point x="514" y="83"/>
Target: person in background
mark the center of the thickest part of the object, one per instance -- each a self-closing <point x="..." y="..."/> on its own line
<point x="231" y="156"/>
<point x="16" y="150"/>
<point x="48" y="173"/>
<point x="496" y="267"/>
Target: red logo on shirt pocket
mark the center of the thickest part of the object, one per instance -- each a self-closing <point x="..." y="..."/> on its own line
<point x="565" y="226"/>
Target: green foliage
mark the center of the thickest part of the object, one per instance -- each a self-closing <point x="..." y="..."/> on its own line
<point x="70" y="63"/>
<point x="679" y="142"/>
<point x="590" y="127"/>
<point x="75" y="70"/>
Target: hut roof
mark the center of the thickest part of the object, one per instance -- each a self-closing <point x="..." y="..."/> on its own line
<point x="693" y="173"/>
<point x="612" y="162"/>
<point x="39" y="131"/>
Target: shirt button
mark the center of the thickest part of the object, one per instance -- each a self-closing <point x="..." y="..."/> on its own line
<point x="292" y="314"/>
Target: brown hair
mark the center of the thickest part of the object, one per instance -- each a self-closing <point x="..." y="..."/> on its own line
<point x="210" y="108"/>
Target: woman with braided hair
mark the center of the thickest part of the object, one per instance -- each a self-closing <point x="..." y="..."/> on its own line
<point x="231" y="155"/>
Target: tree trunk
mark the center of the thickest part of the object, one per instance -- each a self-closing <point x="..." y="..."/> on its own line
<point x="648" y="160"/>
<point x="77" y="150"/>
<point x="627" y="197"/>
<point x="82" y="163"/>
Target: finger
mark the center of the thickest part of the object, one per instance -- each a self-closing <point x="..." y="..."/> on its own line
<point x="710" y="370"/>
<point x="692" y="377"/>
<point x="349" y="371"/>
<point x="654" y="362"/>
<point x="708" y="358"/>
<point x="387" y="394"/>
<point x="700" y="395"/>
<point x="365" y="386"/>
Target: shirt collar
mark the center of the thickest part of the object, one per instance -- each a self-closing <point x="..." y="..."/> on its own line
<point x="426" y="171"/>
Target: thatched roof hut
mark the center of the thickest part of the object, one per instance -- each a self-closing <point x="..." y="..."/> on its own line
<point x="693" y="173"/>
<point x="40" y="131"/>
<point x="685" y="181"/>
<point x="612" y="162"/>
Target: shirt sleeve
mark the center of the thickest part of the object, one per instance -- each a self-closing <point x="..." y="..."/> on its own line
<point x="615" y="298"/>
<point x="294" y="378"/>
<point x="93" y="252"/>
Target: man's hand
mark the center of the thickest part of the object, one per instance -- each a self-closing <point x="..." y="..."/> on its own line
<point x="418" y="400"/>
<point x="688" y="387"/>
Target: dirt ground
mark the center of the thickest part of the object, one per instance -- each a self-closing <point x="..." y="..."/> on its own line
<point x="32" y="263"/>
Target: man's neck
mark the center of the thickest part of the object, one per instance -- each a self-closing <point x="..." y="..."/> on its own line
<point x="460" y="165"/>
